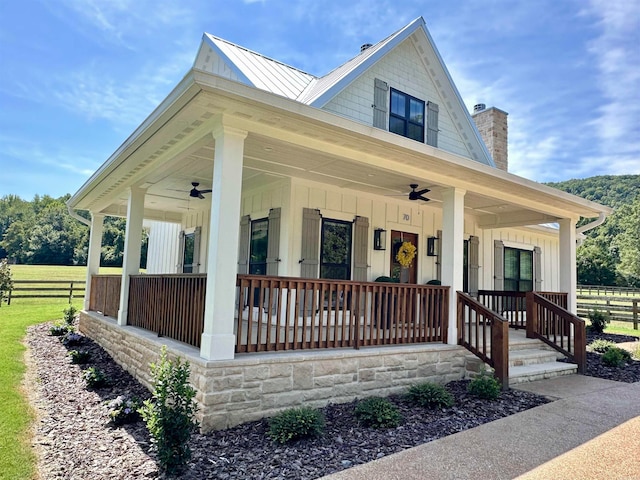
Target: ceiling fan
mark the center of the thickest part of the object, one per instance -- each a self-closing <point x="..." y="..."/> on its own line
<point x="418" y="194"/>
<point x="195" y="193"/>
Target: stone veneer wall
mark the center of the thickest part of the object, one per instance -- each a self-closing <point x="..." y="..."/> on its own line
<point x="254" y="386"/>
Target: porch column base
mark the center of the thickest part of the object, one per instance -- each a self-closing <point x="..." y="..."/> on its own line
<point x="218" y="346"/>
<point x="452" y="335"/>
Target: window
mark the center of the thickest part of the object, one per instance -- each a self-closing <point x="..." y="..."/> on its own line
<point x="518" y="270"/>
<point x="187" y="259"/>
<point x="335" y="249"/>
<point x="406" y="116"/>
<point x="189" y="250"/>
<point x="258" y="247"/>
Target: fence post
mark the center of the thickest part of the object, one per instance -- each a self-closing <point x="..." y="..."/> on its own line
<point x="70" y="292"/>
<point x="635" y="314"/>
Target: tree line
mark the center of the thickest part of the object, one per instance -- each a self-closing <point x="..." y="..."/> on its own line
<point x="41" y="232"/>
<point x="610" y="255"/>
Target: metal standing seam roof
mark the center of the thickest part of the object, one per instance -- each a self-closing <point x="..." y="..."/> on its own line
<point x="262" y="72"/>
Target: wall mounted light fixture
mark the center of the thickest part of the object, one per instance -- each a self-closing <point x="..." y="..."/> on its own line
<point x="431" y="246"/>
<point x="379" y="239"/>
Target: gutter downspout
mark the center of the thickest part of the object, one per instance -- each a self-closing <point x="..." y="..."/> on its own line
<point x="590" y="226"/>
<point x="73" y="214"/>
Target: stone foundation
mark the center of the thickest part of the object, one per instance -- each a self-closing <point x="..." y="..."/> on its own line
<point x="254" y="386"/>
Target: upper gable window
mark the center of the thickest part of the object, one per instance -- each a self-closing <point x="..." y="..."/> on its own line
<point x="406" y="116"/>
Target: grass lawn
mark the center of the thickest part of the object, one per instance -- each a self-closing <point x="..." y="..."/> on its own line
<point x="17" y="460"/>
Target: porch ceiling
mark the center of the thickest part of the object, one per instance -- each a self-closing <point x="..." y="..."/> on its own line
<point x="175" y="147"/>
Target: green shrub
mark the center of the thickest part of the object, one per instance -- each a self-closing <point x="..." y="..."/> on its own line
<point x="79" y="357"/>
<point x="615" y="357"/>
<point x="71" y="339"/>
<point x="430" y="395"/>
<point x="635" y="354"/>
<point x="599" y="345"/>
<point x="94" y="377"/>
<point x="58" y="330"/>
<point x="170" y="414"/>
<point x="599" y="320"/>
<point x="69" y="314"/>
<point x="296" y="423"/>
<point x="485" y="386"/>
<point x="377" y="412"/>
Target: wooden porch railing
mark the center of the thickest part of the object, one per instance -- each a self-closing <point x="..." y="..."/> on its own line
<point x="171" y="305"/>
<point x="557" y="327"/>
<point x="105" y="294"/>
<point x="513" y="305"/>
<point x="281" y="313"/>
<point x="485" y="334"/>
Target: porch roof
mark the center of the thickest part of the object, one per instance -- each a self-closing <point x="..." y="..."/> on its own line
<point x="286" y="139"/>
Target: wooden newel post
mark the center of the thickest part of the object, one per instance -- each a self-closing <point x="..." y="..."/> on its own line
<point x="500" y="351"/>
<point x="580" y="346"/>
<point x="532" y="315"/>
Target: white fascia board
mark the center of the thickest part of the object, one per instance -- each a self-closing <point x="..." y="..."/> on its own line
<point x="346" y="80"/>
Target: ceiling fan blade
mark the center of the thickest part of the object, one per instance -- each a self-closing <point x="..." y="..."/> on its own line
<point x="424" y="199"/>
<point x="206" y="190"/>
<point x="200" y="196"/>
<point x="422" y="192"/>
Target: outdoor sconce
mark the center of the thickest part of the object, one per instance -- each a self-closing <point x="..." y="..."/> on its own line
<point x="379" y="239"/>
<point x="431" y="246"/>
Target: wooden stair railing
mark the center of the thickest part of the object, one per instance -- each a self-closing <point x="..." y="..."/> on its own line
<point x="558" y="328"/>
<point x="485" y="334"/>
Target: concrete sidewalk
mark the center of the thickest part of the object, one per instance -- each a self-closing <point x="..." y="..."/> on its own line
<point x="591" y="431"/>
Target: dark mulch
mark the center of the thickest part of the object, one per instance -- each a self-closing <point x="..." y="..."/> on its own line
<point x="75" y="441"/>
<point x="630" y="373"/>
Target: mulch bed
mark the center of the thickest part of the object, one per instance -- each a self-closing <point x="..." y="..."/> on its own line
<point x="74" y="439"/>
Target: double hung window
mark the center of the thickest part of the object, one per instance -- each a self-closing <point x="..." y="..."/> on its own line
<point x="406" y="116"/>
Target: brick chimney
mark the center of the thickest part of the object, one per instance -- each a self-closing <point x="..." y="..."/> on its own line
<point x="492" y="125"/>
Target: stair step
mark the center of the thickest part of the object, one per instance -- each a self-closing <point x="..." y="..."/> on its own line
<point x="531" y="357"/>
<point x="530" y="373"/>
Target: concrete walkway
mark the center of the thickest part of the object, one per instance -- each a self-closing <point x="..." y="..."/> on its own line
<point x="591" y="431"/>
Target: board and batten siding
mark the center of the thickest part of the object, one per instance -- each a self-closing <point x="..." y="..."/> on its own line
<point x="526" y="239"/>
<point x="403" y="70"/>
<point x="164" y="238"/>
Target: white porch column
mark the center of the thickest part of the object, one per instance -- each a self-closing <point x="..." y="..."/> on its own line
<point x="568" y="272"/>
<point x="93" y="256"/>
<point x="218" y="339"/>
<point x="132" y="245"/>
<point x="452" y="244"/>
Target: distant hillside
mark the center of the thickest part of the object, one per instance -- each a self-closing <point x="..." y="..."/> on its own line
<point x="610" y="190"/>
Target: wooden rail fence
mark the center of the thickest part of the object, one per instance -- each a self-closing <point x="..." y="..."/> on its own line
<point x="621" y="304"/>
<point x="69" y="289"/>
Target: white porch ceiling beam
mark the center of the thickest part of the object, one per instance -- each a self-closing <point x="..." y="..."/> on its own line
<point x="515" y="219"/>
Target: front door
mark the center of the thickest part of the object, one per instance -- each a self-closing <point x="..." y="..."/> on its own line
<point x="397" y="238"/>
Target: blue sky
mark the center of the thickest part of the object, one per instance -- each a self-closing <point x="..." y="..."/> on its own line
<point x="77" y="76"/>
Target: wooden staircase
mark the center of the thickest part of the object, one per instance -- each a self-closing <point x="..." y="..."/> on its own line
<point x="530" y="360"/>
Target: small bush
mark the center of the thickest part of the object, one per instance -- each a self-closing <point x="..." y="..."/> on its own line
<point x="377" y="412"/>
<point x="485" y="386"/>
<point x="635" y="354"/>
<point x="59" y="330"/>
<point x="296" y="423"/>
<point x="430" y="395"/>
<point x="123" y="410"/>
<point x="6" y="281"/>
<point x="94" y="377"/>
<point x="71" y="339"/>
<point x="170" y="414"/>
<point x="599" y="320"/>
<point x="79" y="357"/>
<point x="615" y="357"/>
<point x="69" y="314"/>
<point x="599" y="345"/>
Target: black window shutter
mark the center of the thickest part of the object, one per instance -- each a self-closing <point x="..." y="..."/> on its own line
<point x="380" y="104"/>
<point x="360" y="249"/>
<point x="310" y="251"/>
<point x="432" y="124"/>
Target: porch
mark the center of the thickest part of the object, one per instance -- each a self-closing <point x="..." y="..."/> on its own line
<point x="282" y="314"/>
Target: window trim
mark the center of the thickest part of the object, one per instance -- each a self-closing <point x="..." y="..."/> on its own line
<point x="406" y="119"/>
